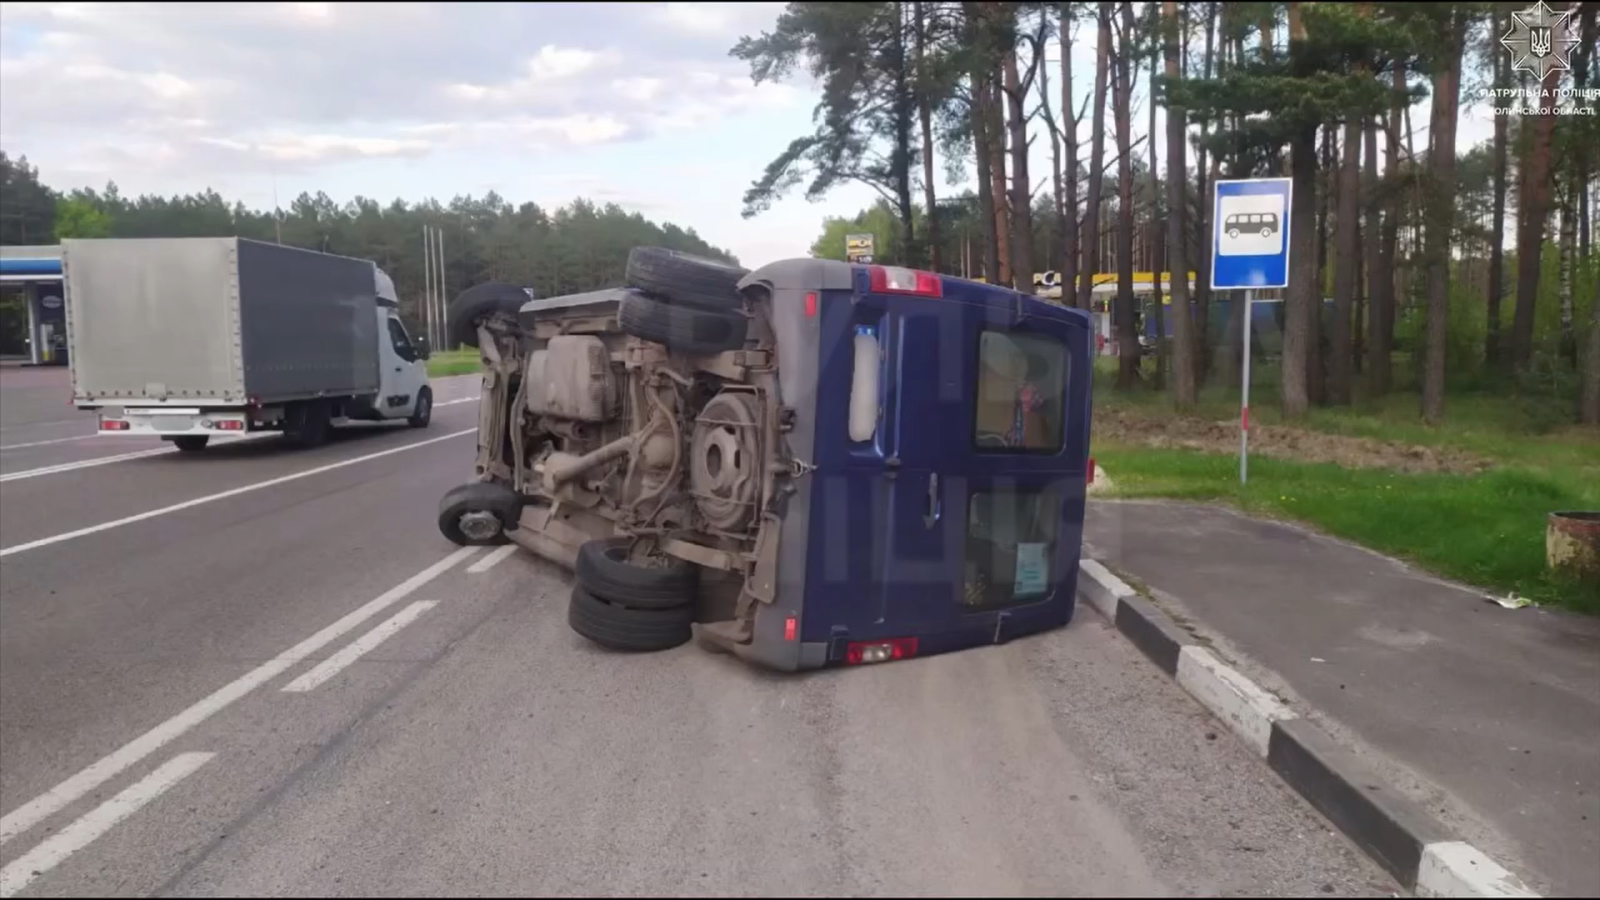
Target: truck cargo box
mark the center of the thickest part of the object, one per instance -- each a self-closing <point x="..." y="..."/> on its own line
<point x="217" y="320"/>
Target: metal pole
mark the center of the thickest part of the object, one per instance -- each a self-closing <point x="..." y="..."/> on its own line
<point x="424" y="302"/>
<point x="1244" y="393"/>
<point x="444" y="274"/>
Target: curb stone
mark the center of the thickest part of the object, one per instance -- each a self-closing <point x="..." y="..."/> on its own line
<point x="1397" y="833"/>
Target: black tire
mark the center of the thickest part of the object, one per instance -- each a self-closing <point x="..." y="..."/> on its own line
<point x="422" y="413"/>
<point x="307" y="424"/>
<point x="604" y="570"/>
<point x="478" y="497"/>
<point x="480" y="302"/>
<point x="191" y="443"/>
<point x="684" y="328"/>
<point x="631" y="630"/>
<point x="684" y="279"/>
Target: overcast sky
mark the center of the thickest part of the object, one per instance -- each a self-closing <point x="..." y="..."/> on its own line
<point x="637" y="104"/>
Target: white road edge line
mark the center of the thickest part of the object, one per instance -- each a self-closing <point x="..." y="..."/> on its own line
<point x="233" y="492"/>
<point x="83" y="464"/>
<point x="55" y="849"/>
<point x="487" y="563"/>
<point x="358" y="648"/>
<point x="67" y="792"/>
<point x="81" y="437"/>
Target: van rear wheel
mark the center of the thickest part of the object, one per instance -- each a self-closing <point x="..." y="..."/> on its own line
<point x="684" y="328"/>
<point x="684" y="279"/>
<point x="630" y="630"/>
<point x="604" y="569"/>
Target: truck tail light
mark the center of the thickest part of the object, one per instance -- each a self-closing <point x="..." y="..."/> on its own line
<point x="858" y="653"/>
<point x="895" y="280"/>
<point x="228" y="425"/>
<point x="113" y="425"/>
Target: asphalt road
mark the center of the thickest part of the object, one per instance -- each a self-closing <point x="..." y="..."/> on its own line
<point x="185" y="709"/>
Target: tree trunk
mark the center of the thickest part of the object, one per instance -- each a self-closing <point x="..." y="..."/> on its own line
<point x="1069" y="202"/>
<point x="1371" y="240"/>
<point x="1497" y="238"/>
<point x="982" y="145"/>
<point x="1021" y="186"/>
<point x="900" y="154"/>
<point x="1126" y="311"/>
<point x="1580" y="80"/>
<point x="997" y="176"/>
<point x="1205" y="175"/>
<point x="1301" y="301"/>
<point x="1090" y="238"/>
<point x="1567" y="246"/>
<point x="1316" y="367"/>
<point x="925" y="116"/>
<point x="1183" y="375"/>
<point x="1158" y="307"/>
<point x="1535" y="207"/>
<point x="1589" y="380"/>
<point x="1381" y="304"/>
<point x="1057" y="197"/>
<point x="1347" y="268"/>
<point x="1440" y="218"/>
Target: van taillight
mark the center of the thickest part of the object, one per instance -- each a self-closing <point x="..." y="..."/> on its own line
<point x="895" y="280"/>
<point x="1088" y="477"/>
<point x="858" y="653"/>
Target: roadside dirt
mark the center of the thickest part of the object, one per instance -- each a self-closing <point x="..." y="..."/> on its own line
<point x="1170" y="431"/>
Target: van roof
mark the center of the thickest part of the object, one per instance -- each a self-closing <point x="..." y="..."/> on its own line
<point x="810" y="274"/>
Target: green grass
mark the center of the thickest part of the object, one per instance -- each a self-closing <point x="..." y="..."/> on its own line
<point x="1486" y="529"/>
<point x="453" y="362"/>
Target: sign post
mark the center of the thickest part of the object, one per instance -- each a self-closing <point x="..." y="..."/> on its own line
<point x="1249" y="252"/>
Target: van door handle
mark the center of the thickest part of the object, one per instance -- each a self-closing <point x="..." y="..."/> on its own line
<point x="935" y="506"/>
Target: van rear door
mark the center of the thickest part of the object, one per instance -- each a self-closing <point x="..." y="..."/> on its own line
<point x="958" y="521"/>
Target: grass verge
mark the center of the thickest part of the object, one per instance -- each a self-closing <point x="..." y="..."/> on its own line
<point x="453" y="362"/>
<point x="1483" y="527"/>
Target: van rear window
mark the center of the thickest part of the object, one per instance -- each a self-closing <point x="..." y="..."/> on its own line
<point x="1022" y="379"/>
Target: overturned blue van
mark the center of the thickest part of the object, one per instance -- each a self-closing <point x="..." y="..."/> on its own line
<point x="810" y="464"/>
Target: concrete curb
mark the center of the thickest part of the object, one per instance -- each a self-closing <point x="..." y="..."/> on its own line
<point x="1397" y="833"/>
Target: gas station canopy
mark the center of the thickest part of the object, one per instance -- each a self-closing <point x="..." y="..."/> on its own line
<point x="38" y="270"/>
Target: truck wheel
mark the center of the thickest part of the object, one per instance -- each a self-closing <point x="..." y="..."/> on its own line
<point x="479" y="514"/>
<point x="604" y="570"/>
<point x="684" y="279"/>
<point x="306" y="425"/>
<point x="684" y="328"/>
<point x="191" y="443"/>
<point x="633" y="630"/>
<point x="480" y="302"/>
<point x="422" y="413"/>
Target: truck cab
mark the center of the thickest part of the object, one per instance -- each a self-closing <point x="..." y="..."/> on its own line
<point x="403" y="391"/>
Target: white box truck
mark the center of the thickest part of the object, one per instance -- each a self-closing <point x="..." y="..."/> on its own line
<point x="190" y="338"/>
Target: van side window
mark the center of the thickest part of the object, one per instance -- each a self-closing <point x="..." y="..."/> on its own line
<point x="402" y="341"/>
<point x="1022" y="382"/>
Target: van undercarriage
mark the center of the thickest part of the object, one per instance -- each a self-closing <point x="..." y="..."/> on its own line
<point x="634" y="435"/>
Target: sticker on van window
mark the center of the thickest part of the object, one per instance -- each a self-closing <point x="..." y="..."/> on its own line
<point x="1033" y="570"/>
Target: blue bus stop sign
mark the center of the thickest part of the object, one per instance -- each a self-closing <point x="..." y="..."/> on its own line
<point x="1250" y="234"/>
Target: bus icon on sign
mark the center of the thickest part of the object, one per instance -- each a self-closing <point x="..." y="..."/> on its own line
<point x="1264" y="224"/>
<point x="1252" y="224"/>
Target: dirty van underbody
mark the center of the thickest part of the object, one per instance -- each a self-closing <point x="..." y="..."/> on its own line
<point x="634" y="435"/>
